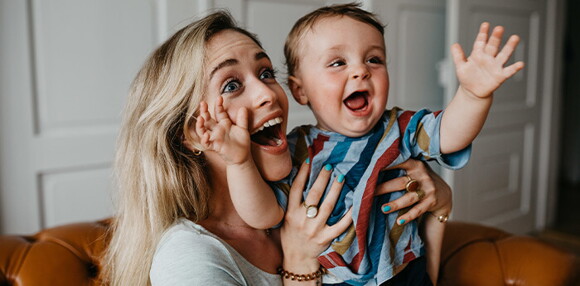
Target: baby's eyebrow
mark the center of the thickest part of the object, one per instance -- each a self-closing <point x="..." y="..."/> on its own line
<point x="226" y="63"/>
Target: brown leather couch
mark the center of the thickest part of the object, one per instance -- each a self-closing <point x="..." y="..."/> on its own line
<point x="472" y="255"/>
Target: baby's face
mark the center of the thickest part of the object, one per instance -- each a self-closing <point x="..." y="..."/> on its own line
<point x="343" y="75"/>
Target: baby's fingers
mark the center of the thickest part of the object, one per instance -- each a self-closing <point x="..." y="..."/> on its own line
<point x="242" y="118"/>
<point x="220" y="111"/>
<point x="508" y="49"/>
<point x="481" y="39"/>
<point x="494" y="42"/>
<point x="513" y="69"/>
<point x="457" y="54"/>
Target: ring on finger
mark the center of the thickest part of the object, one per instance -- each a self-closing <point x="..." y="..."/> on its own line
<point x="420" y="194"/>
<point x="412" y="185"/>
<point x="311" y="210"/>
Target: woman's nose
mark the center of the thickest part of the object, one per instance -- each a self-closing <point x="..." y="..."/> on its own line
<point x="264" y="95"/>
<point x="360" y="71"/>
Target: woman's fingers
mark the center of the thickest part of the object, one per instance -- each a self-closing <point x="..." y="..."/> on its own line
<point x="339" y="227"/>
<point x="295" y="196"/>
<point x="330" y="200"/>
<point x="390" y="186"/>
<point x="415" y="212"/>
<point x="319" y="186"/>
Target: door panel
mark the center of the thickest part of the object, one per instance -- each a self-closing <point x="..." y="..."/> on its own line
<point x="415" y="41"/>
<point x="499" y="187"/>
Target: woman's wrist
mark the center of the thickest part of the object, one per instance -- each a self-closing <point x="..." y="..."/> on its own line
<point x="300" y="266"/>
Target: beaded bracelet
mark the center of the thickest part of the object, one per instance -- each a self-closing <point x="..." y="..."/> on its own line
<point x="301" y="277"/>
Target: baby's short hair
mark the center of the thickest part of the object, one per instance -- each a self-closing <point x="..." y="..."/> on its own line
<point x="305" y="23"/>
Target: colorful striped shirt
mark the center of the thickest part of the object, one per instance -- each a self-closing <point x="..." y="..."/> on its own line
<point x="368" y="252"/>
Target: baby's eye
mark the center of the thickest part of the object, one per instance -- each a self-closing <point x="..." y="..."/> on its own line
<point x="337" y="63"/>
<point x="231" y="86"/>
<point x="375" y="60"/>
<point x="268" y="74"/>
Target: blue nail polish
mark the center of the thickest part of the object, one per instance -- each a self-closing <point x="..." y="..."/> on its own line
<point x="307" y="161"/>
<point x="327" y="167"/>
<point x="401" y="221"/>
<point x="386" y="208"/>
<point x="340" y="178"/>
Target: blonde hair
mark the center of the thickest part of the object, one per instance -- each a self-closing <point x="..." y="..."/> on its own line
<point x="305" y="24"/>
<point x="159" y="179"/>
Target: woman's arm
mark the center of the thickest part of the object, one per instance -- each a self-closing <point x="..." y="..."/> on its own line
<point x="303" y="238"/>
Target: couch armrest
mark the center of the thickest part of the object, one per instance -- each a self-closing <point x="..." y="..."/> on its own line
<point x="64" y="255"/>
<point x="478" y="255"/>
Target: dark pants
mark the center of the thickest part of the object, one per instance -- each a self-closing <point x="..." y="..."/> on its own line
<point x="415" y="274"/>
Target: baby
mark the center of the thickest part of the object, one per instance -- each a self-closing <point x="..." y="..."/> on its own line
<point x="337" y="66"/>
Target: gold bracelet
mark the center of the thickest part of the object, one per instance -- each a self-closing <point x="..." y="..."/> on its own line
<point x="441" y="218"/>
<point x="301" y="277"/>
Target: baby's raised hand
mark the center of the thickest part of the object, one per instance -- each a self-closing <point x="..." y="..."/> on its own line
<point x="483" y="72"/>
<point x="231" y="141"/>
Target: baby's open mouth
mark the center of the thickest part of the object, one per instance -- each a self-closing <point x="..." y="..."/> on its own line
<point x="269" y="134"/>
<point x="357" y="101"/>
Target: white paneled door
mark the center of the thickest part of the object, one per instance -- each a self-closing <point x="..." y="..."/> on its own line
<point x="500" y="185"/>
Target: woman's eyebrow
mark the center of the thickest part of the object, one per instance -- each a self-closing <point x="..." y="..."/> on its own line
<point x="261" y="55"/>
<point x="226" y="63"/>
<point x="231" y="62"/>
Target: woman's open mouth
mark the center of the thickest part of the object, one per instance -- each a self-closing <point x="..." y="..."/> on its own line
<point x="358" y="101"/>
<point x="270" y="135"/>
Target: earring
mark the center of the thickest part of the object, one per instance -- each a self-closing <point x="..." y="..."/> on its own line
<point x="197" y="152"/>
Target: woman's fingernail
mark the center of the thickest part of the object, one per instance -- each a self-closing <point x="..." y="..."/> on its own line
<point x="386" y="208"/>
<point x="327" y="167"/>
<point x="307" y="161"/>
<point x="340" y="178"/>
<point x="401" y="221"/>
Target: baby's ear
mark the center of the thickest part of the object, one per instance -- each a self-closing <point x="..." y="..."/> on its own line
<point x="295" y="85"/>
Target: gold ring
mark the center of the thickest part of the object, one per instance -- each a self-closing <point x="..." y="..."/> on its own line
<point x="412" y="185"/>
<point x="311" y="210"/>
<point x="420" y="194"/>
<point x="441" y="218"/>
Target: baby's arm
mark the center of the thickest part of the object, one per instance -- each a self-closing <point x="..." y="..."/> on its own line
<point x="479" y="76"/>
<point x="253" y="199"/>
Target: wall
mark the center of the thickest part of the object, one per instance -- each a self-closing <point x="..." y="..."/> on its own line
<point x="571" y="104"/>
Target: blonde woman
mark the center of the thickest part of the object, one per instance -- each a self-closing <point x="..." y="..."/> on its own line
<point x="175" y="222"/>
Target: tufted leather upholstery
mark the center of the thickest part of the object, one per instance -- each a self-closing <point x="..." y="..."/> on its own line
<point x="63" y="255"/>
<point x="472" y="255"/>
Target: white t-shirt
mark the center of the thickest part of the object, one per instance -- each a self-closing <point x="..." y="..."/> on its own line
<point x="188" y="254"/>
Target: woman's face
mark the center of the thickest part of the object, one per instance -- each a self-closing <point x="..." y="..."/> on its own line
<point x="238" y="70"/>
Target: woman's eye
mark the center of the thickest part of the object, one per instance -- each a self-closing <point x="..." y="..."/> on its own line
<point x="337" y="63"/>
<point x="231" y="86"/>
<point x="375" y="60"/>
<point x="268" y="74"/>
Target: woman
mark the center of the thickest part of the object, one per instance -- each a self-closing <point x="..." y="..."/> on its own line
<point x="175" y="221"/>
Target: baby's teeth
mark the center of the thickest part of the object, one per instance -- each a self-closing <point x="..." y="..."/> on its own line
<point x="279" y="142"/>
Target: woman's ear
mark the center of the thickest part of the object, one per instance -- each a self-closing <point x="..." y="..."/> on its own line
<point x="295" y="85"/>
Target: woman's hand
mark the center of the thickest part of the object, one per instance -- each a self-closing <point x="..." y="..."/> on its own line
<point x="437" y="197"/>
<point x="304" y="238"/>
